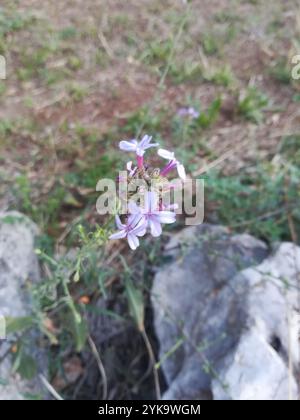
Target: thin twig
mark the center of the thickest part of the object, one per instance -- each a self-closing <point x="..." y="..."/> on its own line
<point x="100" y="366"/>
<point x="50" y="388"/>
<point x="153" y="362"/>
<point x="215" y="163"/>
<point x="105" y="44"/>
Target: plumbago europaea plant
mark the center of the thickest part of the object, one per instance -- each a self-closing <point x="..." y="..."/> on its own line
<point x="146" y="210"/>
<point x="58" y="293"/>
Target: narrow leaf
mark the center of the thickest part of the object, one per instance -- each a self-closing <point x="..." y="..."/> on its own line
<point x="136" y="303"/>
<point x="14" y="325"/>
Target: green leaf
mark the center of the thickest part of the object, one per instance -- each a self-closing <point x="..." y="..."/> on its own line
<point x="81" y="333"/>
<point x="136" y="303"/>
<point x="24" y="364"/>
<point x="14" y="325"/>
<point x="169" y="353"/>
<point x="27" y="367"/>
<point x="205" y="119"/>
<point x="78" y="328"/>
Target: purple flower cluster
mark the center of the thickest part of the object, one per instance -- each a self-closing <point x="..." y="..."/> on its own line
<point x="150" y="213"/>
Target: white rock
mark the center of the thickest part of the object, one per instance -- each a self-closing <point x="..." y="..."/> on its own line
<point x="234" y="310"/>
<point x="18" y="262"/>
<point x="18" y="267"/>
<point x="254" y="371"/>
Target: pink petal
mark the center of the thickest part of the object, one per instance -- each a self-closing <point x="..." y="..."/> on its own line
<point x="133" y="208"/>
<point x="133" y="220"/>
<point x="165" y="154"/>
<point x="118" y="235"/>
<point x="155" y="227"/>
<point x="152" y="201"/>
<point x="181" y="171"/>
<point x="147" y="202"/>
<point x="141" y="228"/>
<point x="145" y="141"/>
<point x="133" y="241"/>
<point x="172" y="207"/>
<point x="128" y="145"/>
<point x="119" y="224"/>
<point x="166" y="217"/>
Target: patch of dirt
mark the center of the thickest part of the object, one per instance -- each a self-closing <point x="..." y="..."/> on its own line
<point x="110" y="100"/>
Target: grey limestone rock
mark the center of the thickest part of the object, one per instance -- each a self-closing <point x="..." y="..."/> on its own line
<point x="214" y="300"/>
<point x="18" y="266"/>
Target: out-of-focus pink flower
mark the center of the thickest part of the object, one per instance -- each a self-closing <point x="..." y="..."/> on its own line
<point x="188" y="112"/>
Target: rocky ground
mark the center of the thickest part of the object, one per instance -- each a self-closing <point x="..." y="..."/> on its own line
<point x="226" y="312"/>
